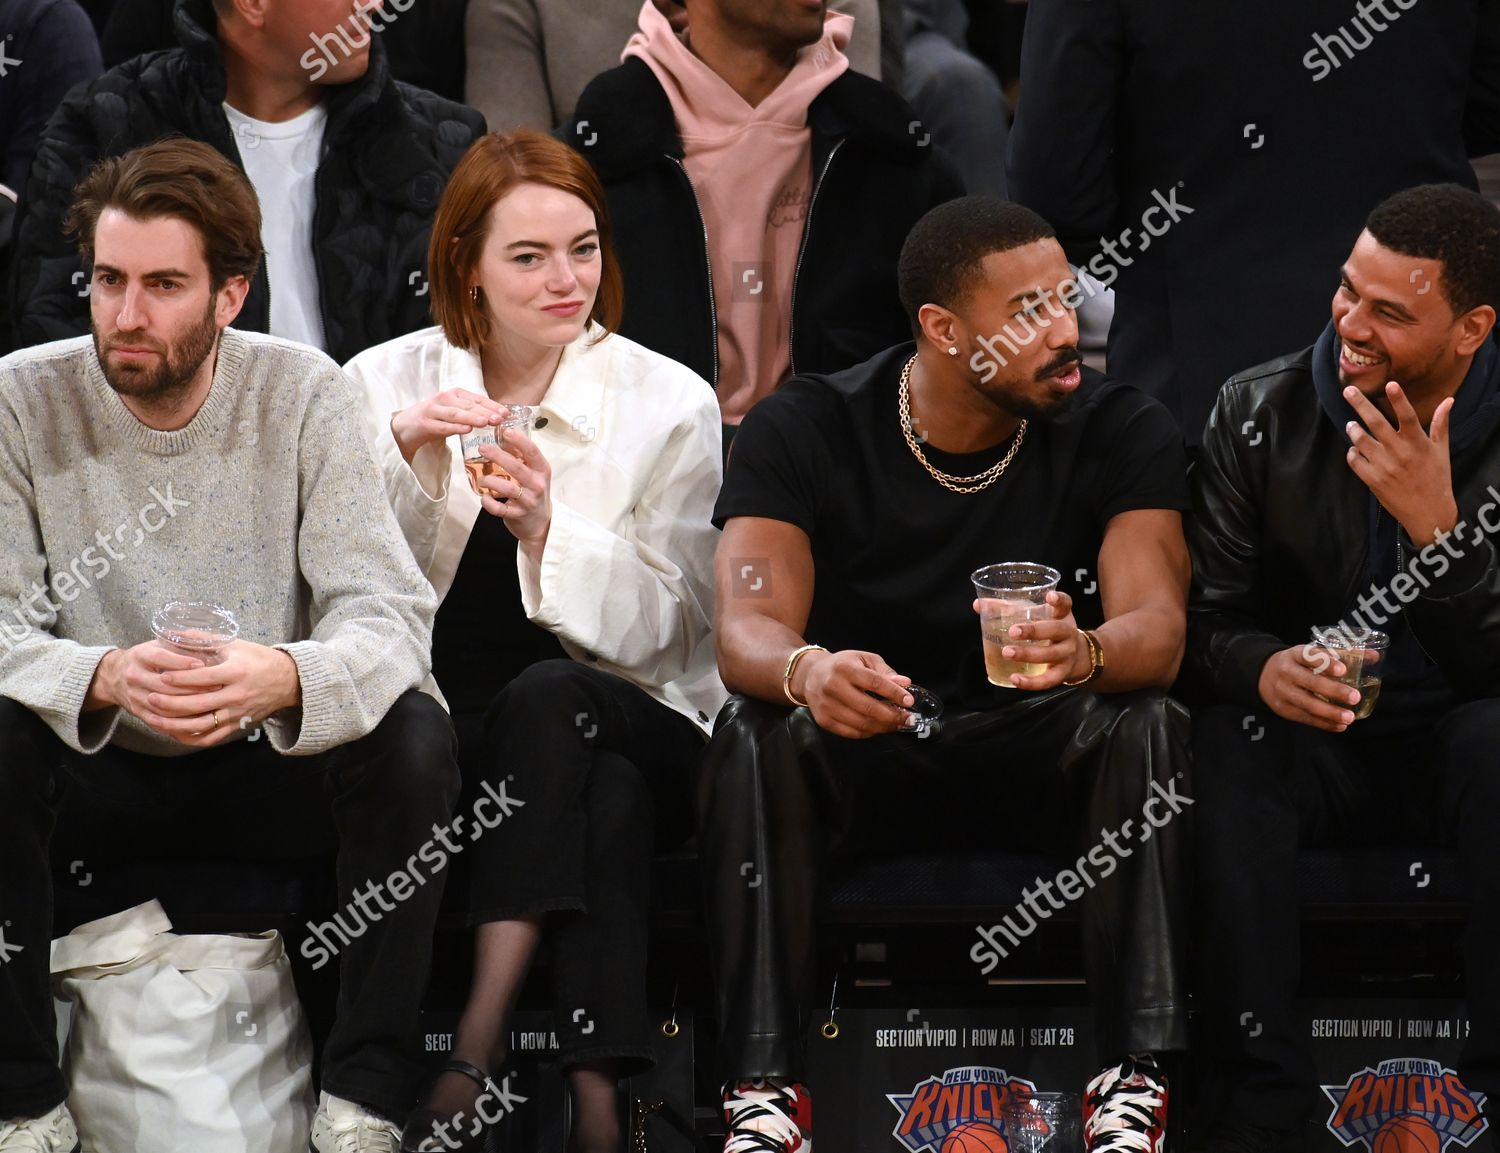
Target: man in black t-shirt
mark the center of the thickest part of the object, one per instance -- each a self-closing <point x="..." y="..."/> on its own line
<point x="854" y="509"/>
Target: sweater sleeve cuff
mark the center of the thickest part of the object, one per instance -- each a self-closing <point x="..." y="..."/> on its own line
<point x="91" y="731"/>
<point x="307" y="729"/>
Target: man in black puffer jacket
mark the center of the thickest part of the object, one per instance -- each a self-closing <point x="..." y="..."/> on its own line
<point x="348" y="163"/>
<point x="1355" y="482"/>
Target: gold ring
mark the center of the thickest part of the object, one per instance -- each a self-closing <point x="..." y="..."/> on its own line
<point x="215" y="715"/>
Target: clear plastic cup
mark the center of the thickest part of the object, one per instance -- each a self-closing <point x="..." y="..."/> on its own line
<point x="1362" y="652"/>
<point x="1038" y="1122"/>
<point x="517" y="416"/>
<point x="195" y="629"/>
<point x="1009" y="594"/>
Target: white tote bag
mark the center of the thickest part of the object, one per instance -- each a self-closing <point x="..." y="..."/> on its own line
<point x="182" y="1044"/>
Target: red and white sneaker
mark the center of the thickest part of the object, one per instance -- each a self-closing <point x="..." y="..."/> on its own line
<point x="1125" y="1108"/>
<point x="767" y="1117"/>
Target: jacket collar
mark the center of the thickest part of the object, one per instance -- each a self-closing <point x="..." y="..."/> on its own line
<point x="624" y="120"/>
<point x="574" y="402"/>
<point x="197" y="32"/>
<point x="1476" y="406"/>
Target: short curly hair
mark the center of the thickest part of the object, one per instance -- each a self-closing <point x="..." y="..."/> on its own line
<point x="943" y="257"/>
<point x="1451" y="224"/>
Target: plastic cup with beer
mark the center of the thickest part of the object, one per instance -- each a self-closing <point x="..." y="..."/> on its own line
<point x="476" y="464"/>
<point x="1010" y="594"/>
<point x="1362" y="652"/>
<point x="195" y="629"/>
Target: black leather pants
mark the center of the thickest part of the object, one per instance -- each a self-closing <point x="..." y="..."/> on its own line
<point x="778" y="797"/>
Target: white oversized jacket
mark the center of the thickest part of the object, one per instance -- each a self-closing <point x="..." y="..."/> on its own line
<point x="633" y="439"/>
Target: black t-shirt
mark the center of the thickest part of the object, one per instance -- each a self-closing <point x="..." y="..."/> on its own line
<point x="482" y="636"/>
<point x="893" y="549"/>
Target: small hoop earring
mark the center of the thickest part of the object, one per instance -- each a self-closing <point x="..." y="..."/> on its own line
<point x="474" y="293"/>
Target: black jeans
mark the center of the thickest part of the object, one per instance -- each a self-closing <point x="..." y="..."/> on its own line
<point x="1267" y="787"/>
<point x="376" y="798"/>
<point x="778" y="796"/>
<point x="603" y="774"/>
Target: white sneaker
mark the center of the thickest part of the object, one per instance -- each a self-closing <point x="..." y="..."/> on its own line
<point x="52" y="1132"/>
<point x="343" y="1127"/>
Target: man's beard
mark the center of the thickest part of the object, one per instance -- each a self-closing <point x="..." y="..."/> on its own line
<point x="1050" y="407"/>
<point x="171" y="377"/>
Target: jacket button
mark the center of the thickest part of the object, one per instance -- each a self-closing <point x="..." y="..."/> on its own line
<point x="541" y="422"/>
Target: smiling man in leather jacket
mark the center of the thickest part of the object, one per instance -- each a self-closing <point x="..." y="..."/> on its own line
<point x="1355" y="482"/>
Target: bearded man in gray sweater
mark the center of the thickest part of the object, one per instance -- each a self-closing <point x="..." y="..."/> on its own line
<point x="172" y="458"/>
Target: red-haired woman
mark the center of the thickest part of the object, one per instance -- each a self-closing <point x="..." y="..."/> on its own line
<point x="573" y="643"/>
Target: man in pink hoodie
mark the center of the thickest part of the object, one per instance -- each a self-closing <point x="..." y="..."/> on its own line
<point x="760" y="190"/>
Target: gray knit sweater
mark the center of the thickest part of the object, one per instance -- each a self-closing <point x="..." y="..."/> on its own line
<point x="269" y="503"/>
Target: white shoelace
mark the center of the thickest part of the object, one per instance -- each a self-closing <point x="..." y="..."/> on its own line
<point x="1126" y="1113"/>
<point x="760" y="1107"/>
<point x="367" y="1135"/>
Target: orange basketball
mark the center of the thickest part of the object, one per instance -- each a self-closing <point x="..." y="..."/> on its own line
<point x="1407" y="1133"/>
<point x="977" y="1137"/>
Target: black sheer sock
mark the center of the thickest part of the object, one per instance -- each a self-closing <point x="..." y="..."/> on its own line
<point x="595" y="1090"/>
<point x="502" y="956"/>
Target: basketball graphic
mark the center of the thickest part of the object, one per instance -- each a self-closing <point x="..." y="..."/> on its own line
<point x="1407" y="1133"/>
<point x="977" y="1137"/>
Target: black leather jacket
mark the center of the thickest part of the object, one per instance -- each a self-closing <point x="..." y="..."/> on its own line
<point x="1282" y="529"/>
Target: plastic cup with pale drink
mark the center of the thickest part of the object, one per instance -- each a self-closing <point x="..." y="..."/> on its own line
<point x="479" y="466"/>
<point x="1011" y="594"/>
<point x="1362" y="652"/>
<point x="195" y="629"/>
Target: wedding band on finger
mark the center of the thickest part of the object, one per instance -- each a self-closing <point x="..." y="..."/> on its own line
<point x="214" y="714"/>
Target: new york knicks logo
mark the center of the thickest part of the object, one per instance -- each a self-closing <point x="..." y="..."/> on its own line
<point x="959" y="1112"/>
<point x="1405" y="1105"/>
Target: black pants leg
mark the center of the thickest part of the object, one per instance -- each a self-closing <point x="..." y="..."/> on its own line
<point x="30" y="1081"/>
<point x="1267" y="788"/>
<point x="777" y="795"/>
<point x="379" y="797"/>
<point x="390" y="790"/>
<point x="603" y="772"/>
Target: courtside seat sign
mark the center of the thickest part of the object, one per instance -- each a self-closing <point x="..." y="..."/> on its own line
<point x="1405" y="1105"/>
<point x="971" y="1096"/>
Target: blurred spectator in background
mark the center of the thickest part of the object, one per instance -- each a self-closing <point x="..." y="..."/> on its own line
<point x="1215" y="164"/>
<point x="424" y="44"/>
<point x="760" y="193"/>
<point x="528" y="60"/>
<point x="348" y="164"/>
<point x="48" y="46"/>
<point x="957" y="97"/>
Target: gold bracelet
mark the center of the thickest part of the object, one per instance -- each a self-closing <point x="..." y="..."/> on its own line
<point x="791" y="667"/>
<point x="1096" y="659"/>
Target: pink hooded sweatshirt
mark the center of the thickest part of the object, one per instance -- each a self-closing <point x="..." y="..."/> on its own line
<point x="752" y="171"/>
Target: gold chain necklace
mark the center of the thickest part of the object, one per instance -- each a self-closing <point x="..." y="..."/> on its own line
<point x="961" y="484"/>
